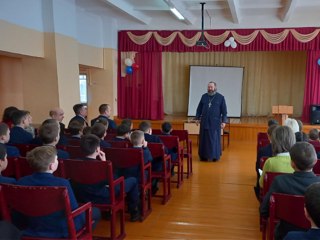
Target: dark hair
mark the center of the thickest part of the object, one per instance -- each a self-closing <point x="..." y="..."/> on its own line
<point x="40" y="158"/>
<point x="270" y="129"/>
<point x="314" y="134"/>
<point x="272" y="122"/>
<point x="89" y="144"/>
<point x="282" y="139"/>
<point x="166" y="127"/>
<point x="127" y="122"/>
<point x="7" y="113"/>
<point x="86" y="130"/>
<point x="3" y="151"/>
<point x="18" y="116"/>
<point x="99" y="130"/>
<point x="49" y="132"/>
<point x="144" y="126"/>
<point x="312" y="200"/>
<point x="77" y="108"/>
<point x="303" y="155"/>
<point x="103" y="108"/>
<point x="75" y="127"/>
<point x="123" y="129"/>
<point x="3" y="129"/>
<point x="103" y="121"/>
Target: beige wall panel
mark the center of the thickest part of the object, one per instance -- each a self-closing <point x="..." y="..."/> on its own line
<point x="68" y="74"/>
<point x="40" y="82"/>
<point x="102" y="87"/>
<point x="20" y="40"/>
<point x="11" y="80"/>
<point x="90" y="56"/>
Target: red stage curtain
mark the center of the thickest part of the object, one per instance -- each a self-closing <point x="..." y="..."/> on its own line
<point x="259" y="44"/>
<point x="140" y="93"/>
<point x="312" y="84"/>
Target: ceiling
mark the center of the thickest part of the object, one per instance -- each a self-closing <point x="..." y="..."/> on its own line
<point x="218" y="14"/>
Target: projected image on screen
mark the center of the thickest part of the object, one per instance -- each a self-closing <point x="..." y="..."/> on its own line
<point x="229" y="84"/>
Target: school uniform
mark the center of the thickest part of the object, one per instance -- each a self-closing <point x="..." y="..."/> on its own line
<point x="311" y="234"/>
<point x="53" y="225"/>
<point x="99" y="192"/>
<point x="79" y="119"/>
<point x="111" y="123"/>
<point x="12" y="151"/>
<point x="7" y="180"/>
<point x="19" y="136"/>
<point x="104" y="144"/>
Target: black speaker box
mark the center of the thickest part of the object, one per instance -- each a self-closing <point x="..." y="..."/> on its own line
<point x="315" y="114"/>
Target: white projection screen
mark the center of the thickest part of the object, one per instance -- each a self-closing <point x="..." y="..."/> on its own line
<point x="229" y="84"/>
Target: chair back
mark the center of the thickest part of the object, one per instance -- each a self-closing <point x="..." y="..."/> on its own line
<point x="22" y="167"/>
<point x="10" y="170"/>
<point x="263" y="161"/>
<point x="74" y="151"/>
<point x="170" y="141"/>
<point x="268" y="179"/>
<point x="120" y="144"/>
<point x="110" y="136"/>
<point x="316" y="167"/>
<point x="36" y="201"/>
<point x="289" y="208"/>
<point x="125" y="157"/>
<point x="156" y="132"/>
<point x="156" y="149"/>
<point x="24" y="148"/>
<point x="74" y="141"/>
<point x="88" y="171"/>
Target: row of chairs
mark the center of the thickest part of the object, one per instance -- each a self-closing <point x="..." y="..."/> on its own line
<point x="80" y="171"/>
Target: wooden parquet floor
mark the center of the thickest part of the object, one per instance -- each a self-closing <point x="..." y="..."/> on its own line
<point x="216" y="202"/>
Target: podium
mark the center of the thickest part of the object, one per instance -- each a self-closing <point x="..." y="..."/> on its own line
<point x="281" y="112"/>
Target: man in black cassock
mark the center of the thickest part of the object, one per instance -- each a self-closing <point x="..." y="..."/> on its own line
<point x="212" y="115"/>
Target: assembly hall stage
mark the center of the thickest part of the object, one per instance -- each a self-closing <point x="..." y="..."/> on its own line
<point x="240" y="129"/>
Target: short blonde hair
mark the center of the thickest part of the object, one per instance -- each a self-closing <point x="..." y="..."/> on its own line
<point x="136" y="137"/>
<point x="40" y="158"/>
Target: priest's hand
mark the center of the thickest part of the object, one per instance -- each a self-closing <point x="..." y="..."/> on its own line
<point x="223" y="125"/>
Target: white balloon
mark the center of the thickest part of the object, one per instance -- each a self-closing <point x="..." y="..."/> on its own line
<point x="227" y="43"/>
<point x="231" y="39"/>
<point x="128" y="62"/>
<point x="233" y="44"/>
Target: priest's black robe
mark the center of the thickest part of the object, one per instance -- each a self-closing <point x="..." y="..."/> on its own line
<point x="211" y="111"/>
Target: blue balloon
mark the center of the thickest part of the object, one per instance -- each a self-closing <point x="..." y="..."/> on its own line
<point x="319" y="61"/>
<point x="129" y="70"/>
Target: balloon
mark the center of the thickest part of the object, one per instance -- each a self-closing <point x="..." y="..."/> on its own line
<point x="227" y="43"/>
<point x="233" y="44"/>
<point x="319" y="61"/>
<point x="231" y="39"/>
<point x="135" y="66"/>
<point x="129" y="70"/>
<point x="128" y="62"/>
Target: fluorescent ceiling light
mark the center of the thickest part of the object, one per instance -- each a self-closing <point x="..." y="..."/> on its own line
<point x="175" y="12"/>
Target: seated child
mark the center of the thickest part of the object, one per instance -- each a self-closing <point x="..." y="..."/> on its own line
<point x="100" y="131"/>
<point x="49" y="135"/>
<point x="75" y="128"/>
<point x="12" y="151"/>
<point x="303" y="158"/>
<point x="123" y="133"/>
<point x="3" y="166"/>
<point x="166" y="128"/>
<point x="312" y="212"/>
<point x="99" y="193"/>
<point x="43" y="160"/>
<point x="138" y="141"/>
<point x="18" y="134"/>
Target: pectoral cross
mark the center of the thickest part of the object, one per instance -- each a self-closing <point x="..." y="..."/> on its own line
<point x="209" y="104"/>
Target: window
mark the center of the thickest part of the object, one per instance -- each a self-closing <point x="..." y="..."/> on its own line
<point x="83" y="88"/>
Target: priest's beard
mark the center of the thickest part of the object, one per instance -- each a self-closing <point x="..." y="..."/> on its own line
<point x="211" y="93"/>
